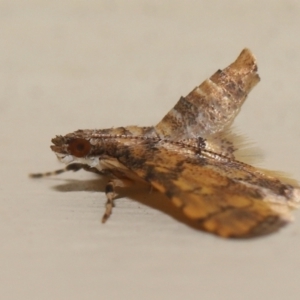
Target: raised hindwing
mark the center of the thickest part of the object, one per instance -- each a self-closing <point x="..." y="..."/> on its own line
<point x="212" y="106"/>
<point x="209" y="109"/>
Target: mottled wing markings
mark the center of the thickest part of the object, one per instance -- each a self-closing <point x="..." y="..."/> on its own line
<point x="213" y="195"/>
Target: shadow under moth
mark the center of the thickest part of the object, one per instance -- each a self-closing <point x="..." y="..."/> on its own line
<point x="190" y="157"/>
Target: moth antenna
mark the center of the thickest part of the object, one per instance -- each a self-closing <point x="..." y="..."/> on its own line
<point x="72" y="167"/>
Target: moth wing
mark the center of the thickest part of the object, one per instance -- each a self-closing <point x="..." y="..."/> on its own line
<point x="211" y="107"/>
<point x="220" y="204"/>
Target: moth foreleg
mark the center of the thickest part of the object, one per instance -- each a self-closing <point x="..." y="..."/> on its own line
<point x="71" y="167"/>
<point x="110" y="195"/>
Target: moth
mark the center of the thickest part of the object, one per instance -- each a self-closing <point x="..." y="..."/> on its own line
<point x="190" y="157"/>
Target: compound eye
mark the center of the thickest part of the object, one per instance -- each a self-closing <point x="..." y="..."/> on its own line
<point x="79" y="147"/>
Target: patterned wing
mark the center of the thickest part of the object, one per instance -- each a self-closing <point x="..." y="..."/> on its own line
<point x="211" y="107"/>
<point x="226" y="197"/>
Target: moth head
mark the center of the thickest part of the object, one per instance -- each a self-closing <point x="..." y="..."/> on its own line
<point x="71" y="148"/>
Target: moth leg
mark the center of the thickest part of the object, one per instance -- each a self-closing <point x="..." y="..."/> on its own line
<point x="110" y="195"/>
<point x="71" y="167"/>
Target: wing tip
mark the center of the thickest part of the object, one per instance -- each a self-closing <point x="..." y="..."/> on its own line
<point x="246" y="65"/>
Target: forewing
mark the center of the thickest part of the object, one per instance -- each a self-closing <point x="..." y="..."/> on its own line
<point x="221" y="204"/>
<point x="211" y="107"/>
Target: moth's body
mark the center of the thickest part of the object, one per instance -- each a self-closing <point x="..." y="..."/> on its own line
<point x="189" y="156"/>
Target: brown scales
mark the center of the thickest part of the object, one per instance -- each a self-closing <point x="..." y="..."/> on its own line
<point x="189" y="156"/>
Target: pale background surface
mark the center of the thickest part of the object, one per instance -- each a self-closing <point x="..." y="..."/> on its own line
<point x="66" y="65"/>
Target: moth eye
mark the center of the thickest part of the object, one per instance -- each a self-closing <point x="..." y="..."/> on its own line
<point x="79" y="147"/>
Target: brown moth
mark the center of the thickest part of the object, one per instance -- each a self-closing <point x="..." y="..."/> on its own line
<point x="190" y="157"/>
